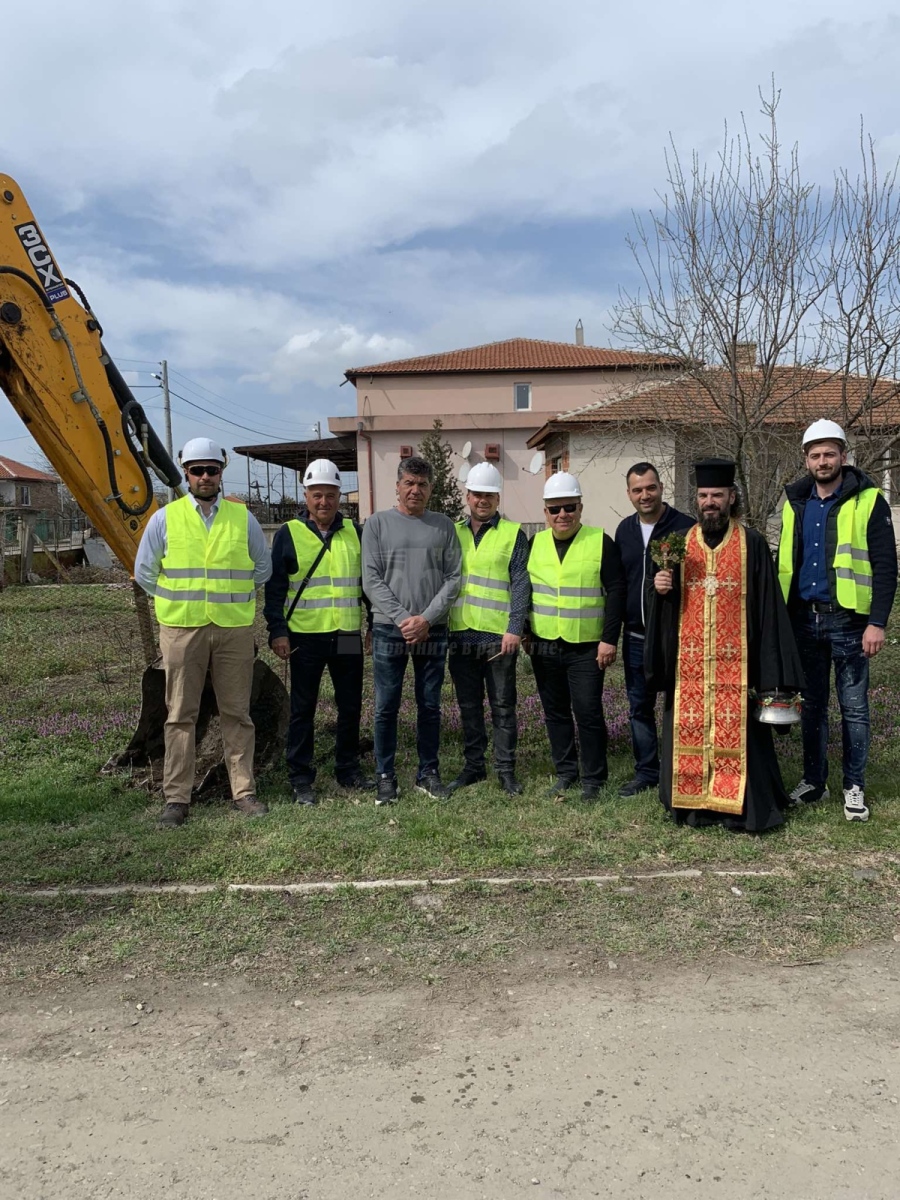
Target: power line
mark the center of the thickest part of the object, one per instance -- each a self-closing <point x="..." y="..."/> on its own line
<point x="226" y="421"/>
<point x="191" y="385"/>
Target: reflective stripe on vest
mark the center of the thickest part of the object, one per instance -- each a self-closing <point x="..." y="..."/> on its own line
<point x="332" y="600"/>
<point x="568" y="600"/>
<point x="483" y="602"/>
<point x="852" y="569"/>
<point x="207" y="574"/>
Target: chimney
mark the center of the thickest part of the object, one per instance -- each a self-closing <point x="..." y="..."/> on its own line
<point x="579" y="334"/>
<point x="745" y="356"/>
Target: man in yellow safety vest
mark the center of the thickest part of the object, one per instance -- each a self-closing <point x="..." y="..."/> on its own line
<point x="314" y="610"/>
<point x="837" y="565"/>
<point x="486" y="626"/>
<point x="577" y="602"/>
<point x="202" y="558"/>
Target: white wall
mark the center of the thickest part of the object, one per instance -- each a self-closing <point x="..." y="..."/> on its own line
<point x="600" y="464"/>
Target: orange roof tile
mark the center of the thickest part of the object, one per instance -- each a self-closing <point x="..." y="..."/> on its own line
<point x="795" y="397"/>
<point x="516" y="354"/>
<point x="10" y="469"/>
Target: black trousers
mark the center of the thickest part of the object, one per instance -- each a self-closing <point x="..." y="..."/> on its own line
<point x="472" y="675"/>
<point x="342" y="654"/>
<point x="570" y="682"/>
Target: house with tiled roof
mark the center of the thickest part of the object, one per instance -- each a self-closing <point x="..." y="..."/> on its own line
<point x="22" y="486"/>
<point x="491" y="399"/>
<point x="671" y="421"/>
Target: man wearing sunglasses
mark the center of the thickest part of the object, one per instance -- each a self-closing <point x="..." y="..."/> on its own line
<point x="578" y="596"/>
<point x="202" y="558"/>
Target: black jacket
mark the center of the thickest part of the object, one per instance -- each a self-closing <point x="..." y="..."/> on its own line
<point x="880" y="538"/>
<point x="637" y="563"/>
<point x="284" y="564"/>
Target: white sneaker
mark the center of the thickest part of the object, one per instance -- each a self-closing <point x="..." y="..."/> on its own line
<point x="808" y="793"/>
<point x="855" y="804"/>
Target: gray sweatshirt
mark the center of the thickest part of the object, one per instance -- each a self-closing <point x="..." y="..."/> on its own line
<point x="410" y="566"/>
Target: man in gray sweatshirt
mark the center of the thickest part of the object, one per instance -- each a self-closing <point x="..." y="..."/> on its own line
<point x="411" y="565"/>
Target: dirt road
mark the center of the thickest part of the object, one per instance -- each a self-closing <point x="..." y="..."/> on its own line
<point x="734" y="1081"/>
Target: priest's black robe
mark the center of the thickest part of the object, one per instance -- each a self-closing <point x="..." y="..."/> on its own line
<point x="772" y="663"/>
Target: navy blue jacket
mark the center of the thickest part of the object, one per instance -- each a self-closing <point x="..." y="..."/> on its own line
<point x="638" y="565"/>
<point x="880" y="540"/>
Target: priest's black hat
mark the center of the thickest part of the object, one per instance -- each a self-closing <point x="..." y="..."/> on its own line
<point x="714" y="473"/>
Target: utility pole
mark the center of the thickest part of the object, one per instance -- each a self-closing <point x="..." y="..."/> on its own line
<point x="167" y="409"/>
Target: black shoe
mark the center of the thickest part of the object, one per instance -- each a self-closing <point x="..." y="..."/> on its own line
<point x="808" y="793"/>
<point x="172" y="816"/>
<point x="560" y="787"/>
<point x="302" y="793"/>
<point x="431" y="785"/>
<point x="466" y="778"/>
<point x="358" y="782"/>
<point x="386" y="789"/>
<point x="634" y="787"/>
<point x="590" y="792"/>
<point x="509" y="783"/>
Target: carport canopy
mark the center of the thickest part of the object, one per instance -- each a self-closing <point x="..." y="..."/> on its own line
<point x="296" y="456"/>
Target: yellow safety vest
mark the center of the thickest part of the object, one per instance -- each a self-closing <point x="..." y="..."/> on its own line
<point x="484" y="596"/>
<point x="332" y="599"/>
<point x="567" y="600"/>
<point x="207" y="574"/>
<point x="852" y="569"/>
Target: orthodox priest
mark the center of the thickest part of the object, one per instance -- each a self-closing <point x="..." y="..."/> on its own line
<point x="717" y="631"/>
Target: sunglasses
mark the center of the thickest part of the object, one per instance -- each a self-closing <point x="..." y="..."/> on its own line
<point x="555" y="509"/>
<point x="199" y="472"/>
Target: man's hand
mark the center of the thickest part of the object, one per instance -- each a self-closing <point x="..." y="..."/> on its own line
<point x="414" y="630"/>
<point x="510" y="643"/>
<point x="872" y="640"/>
<point x="606" y="655"/>
<point x="662" y="581"/>
<point x="282" y="647"/>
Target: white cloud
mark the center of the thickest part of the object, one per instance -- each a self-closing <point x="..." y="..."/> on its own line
<point x="231" y="186"/>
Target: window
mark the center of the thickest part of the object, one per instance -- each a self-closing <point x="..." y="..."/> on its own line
<point x="522" y="397"/>
<point x="23" y="495"/>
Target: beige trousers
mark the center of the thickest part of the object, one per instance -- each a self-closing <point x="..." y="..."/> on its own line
<point x="187" y="655"/>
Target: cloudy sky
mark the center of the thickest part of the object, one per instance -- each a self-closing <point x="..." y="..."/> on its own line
<point x="266" y="194"/>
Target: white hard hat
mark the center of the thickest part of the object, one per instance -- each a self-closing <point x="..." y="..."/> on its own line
<point x="202" y="450"/>
<point x="484" y="477"/>
<point x="824" y="431"/>
<point x="322" y="470"/>
<point x="560" y="485"/>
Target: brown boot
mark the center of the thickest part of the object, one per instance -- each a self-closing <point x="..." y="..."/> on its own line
<point x="172" y="816"/>
<point x="250" y="806"/>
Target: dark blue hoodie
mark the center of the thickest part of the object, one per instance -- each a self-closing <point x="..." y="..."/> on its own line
<point x="639" y="567"/>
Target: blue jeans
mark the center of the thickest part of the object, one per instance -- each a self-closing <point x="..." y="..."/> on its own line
<point x="390" y="654"/>
<point x="823" y="638"/>
<point x="641" y="712"/>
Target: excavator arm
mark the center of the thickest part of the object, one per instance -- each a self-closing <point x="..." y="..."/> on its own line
<point x="67" y="389"/>
<point x="79" y="410"/>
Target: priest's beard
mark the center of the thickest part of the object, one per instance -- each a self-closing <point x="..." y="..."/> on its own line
<point x="714" y="522"/>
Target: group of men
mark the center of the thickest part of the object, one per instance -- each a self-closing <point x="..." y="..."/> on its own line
<point x="712" y="632"/>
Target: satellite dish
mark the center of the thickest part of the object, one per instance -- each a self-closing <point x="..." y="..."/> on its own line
<point x="466" y="450"/>
<point x="464" y="472"/>
<point x="537" y="463"/>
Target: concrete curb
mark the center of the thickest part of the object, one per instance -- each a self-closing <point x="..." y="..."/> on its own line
<point x="377" y="885"/>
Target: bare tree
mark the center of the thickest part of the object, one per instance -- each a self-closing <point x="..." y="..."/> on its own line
<point x="781" y="300"/>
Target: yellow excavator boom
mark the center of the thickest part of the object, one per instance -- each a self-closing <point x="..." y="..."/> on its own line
<point x="67" y="390"/>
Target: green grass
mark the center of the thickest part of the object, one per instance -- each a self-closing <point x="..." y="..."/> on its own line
<point x="386" y="938"/>
<point x="71" y="668"/>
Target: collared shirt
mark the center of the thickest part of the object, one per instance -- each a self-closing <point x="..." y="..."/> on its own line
<point x="519" y="588"/>
<point x="153" y="546"/>
<point x="813" y="576"/>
